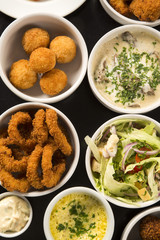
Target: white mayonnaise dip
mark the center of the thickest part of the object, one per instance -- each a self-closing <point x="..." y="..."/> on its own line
<point x="14" y="214"/>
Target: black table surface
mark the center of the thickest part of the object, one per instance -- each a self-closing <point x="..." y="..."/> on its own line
<point x="85" y="112"/>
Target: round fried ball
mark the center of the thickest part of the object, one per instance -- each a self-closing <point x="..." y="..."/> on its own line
<point x="42" y="60"/>
<point x="21" y="75"/>
<point x="64" y="48"/>
<point x="35" y="38"/>
<point x="53" y="82"/>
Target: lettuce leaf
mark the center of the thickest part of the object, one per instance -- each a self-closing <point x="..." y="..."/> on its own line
<point x="142" y="136"/>
<point x="93" y="148"/>
<point x="114" y="187"/>
<point x="151" y="182"/>
<point x="149" y="128"/>
<point x="145" y="161"/>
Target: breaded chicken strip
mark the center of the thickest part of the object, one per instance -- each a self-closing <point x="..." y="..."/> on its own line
<point x="32" y="168"/>
<point x="13" y="184"/>
<point x="40" y="130"/>
<point x="121" y="6"/>
<point x="10" y="164"/>
<point x="52" y="172"/>
<point x="145" y="10"/>
<point x="55" y="131"/>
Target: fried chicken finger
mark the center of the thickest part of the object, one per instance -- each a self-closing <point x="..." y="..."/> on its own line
<point x="55" y="131"/>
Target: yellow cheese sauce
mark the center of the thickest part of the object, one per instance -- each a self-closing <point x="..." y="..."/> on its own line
<point x="78" y="216"/>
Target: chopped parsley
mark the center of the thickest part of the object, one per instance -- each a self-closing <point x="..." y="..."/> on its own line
<point x="80" y="217"/>
<point x="133" y="76"/>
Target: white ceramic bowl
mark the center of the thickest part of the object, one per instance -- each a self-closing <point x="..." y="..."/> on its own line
<point x="16" y="234"/>
<point x="72" y="160"/>
<point x="88" y="161"/>
<point x="123" y="19"/>
<point x="98" y="52"/>
<point x="131" y="231"/>
<point x="88" y="191"/>
<point x="11" y="50"/>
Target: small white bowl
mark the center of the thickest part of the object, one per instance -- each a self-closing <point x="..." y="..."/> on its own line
<point x="88" y="161"/>
<point x="11" y="50"/>
<point x="98" y="52"/>
<point x="72" y="134"/>
<point x="123" y="19"/>
<point x="131" y="231"/>
<point x="16" y="234"/>
<point x="88" y="191"/>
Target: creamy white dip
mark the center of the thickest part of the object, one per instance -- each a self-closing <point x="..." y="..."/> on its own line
<point x="14" y="214"/>
<point x="129" y="73"/>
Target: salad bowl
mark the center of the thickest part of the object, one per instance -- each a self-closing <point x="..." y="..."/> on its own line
<point x="123" y="161"/>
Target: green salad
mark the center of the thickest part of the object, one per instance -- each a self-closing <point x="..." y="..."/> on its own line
<point x="125" y="160"/>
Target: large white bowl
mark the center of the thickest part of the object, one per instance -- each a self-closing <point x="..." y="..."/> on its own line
<point x="72" y="134"/>
<point x="123" y="19"/>
<point x="16" y="234"/>
<point x="131" y="231"/>
<point x="88" y="191"/>
<point x="98" y="52"/>
<point x="11" y="50"/>
<point x="88" y="161"/>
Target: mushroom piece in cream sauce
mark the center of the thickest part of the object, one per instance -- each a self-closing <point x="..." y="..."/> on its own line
<point x="129" y="73"/>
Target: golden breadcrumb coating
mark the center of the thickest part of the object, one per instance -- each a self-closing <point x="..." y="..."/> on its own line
<point x="53" y="82"/>
<point x="64" y="48"/>
<point x="21" y="75"/>
<point x="42" y="60"/>
<point x="145" y="10"/>
<point x="121" y="6"/>
<point x="35" y="38"/>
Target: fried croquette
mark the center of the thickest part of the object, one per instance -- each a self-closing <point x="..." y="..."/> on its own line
<point x="53" y="82"/>
<point x="64" y="48"/>
<point x="121" y="6"/>
<point x="35" y="38"/>
<point x="145" y="10"/>
<point x="21" y="75"/>
<point x="42" y="60"/>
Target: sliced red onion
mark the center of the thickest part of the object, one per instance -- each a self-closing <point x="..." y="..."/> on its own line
<point x="105" y="134"/>
<point x="146" y="152"/>
<point x="126" y="154"/>
<point x="128" y="146"/>
<point x="131" y="194"/>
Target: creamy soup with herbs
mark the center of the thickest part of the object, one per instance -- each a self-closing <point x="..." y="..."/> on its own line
<point x="129" y="73"/>
<point x="78" y="216"/>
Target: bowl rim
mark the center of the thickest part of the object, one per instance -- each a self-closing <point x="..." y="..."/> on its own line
<point x="89" y="171"/>
<point x="83" y="48"/>
<point x="137" y="218"/>
<point x="123" y="19"/>
<point x="95" y="91"/>
<point x="16" y="234"/>
<point x="80" y="189"/>
<point x="36" y="105"/>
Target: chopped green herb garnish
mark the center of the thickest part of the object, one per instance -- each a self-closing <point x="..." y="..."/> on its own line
<point x="132" y="72"/>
